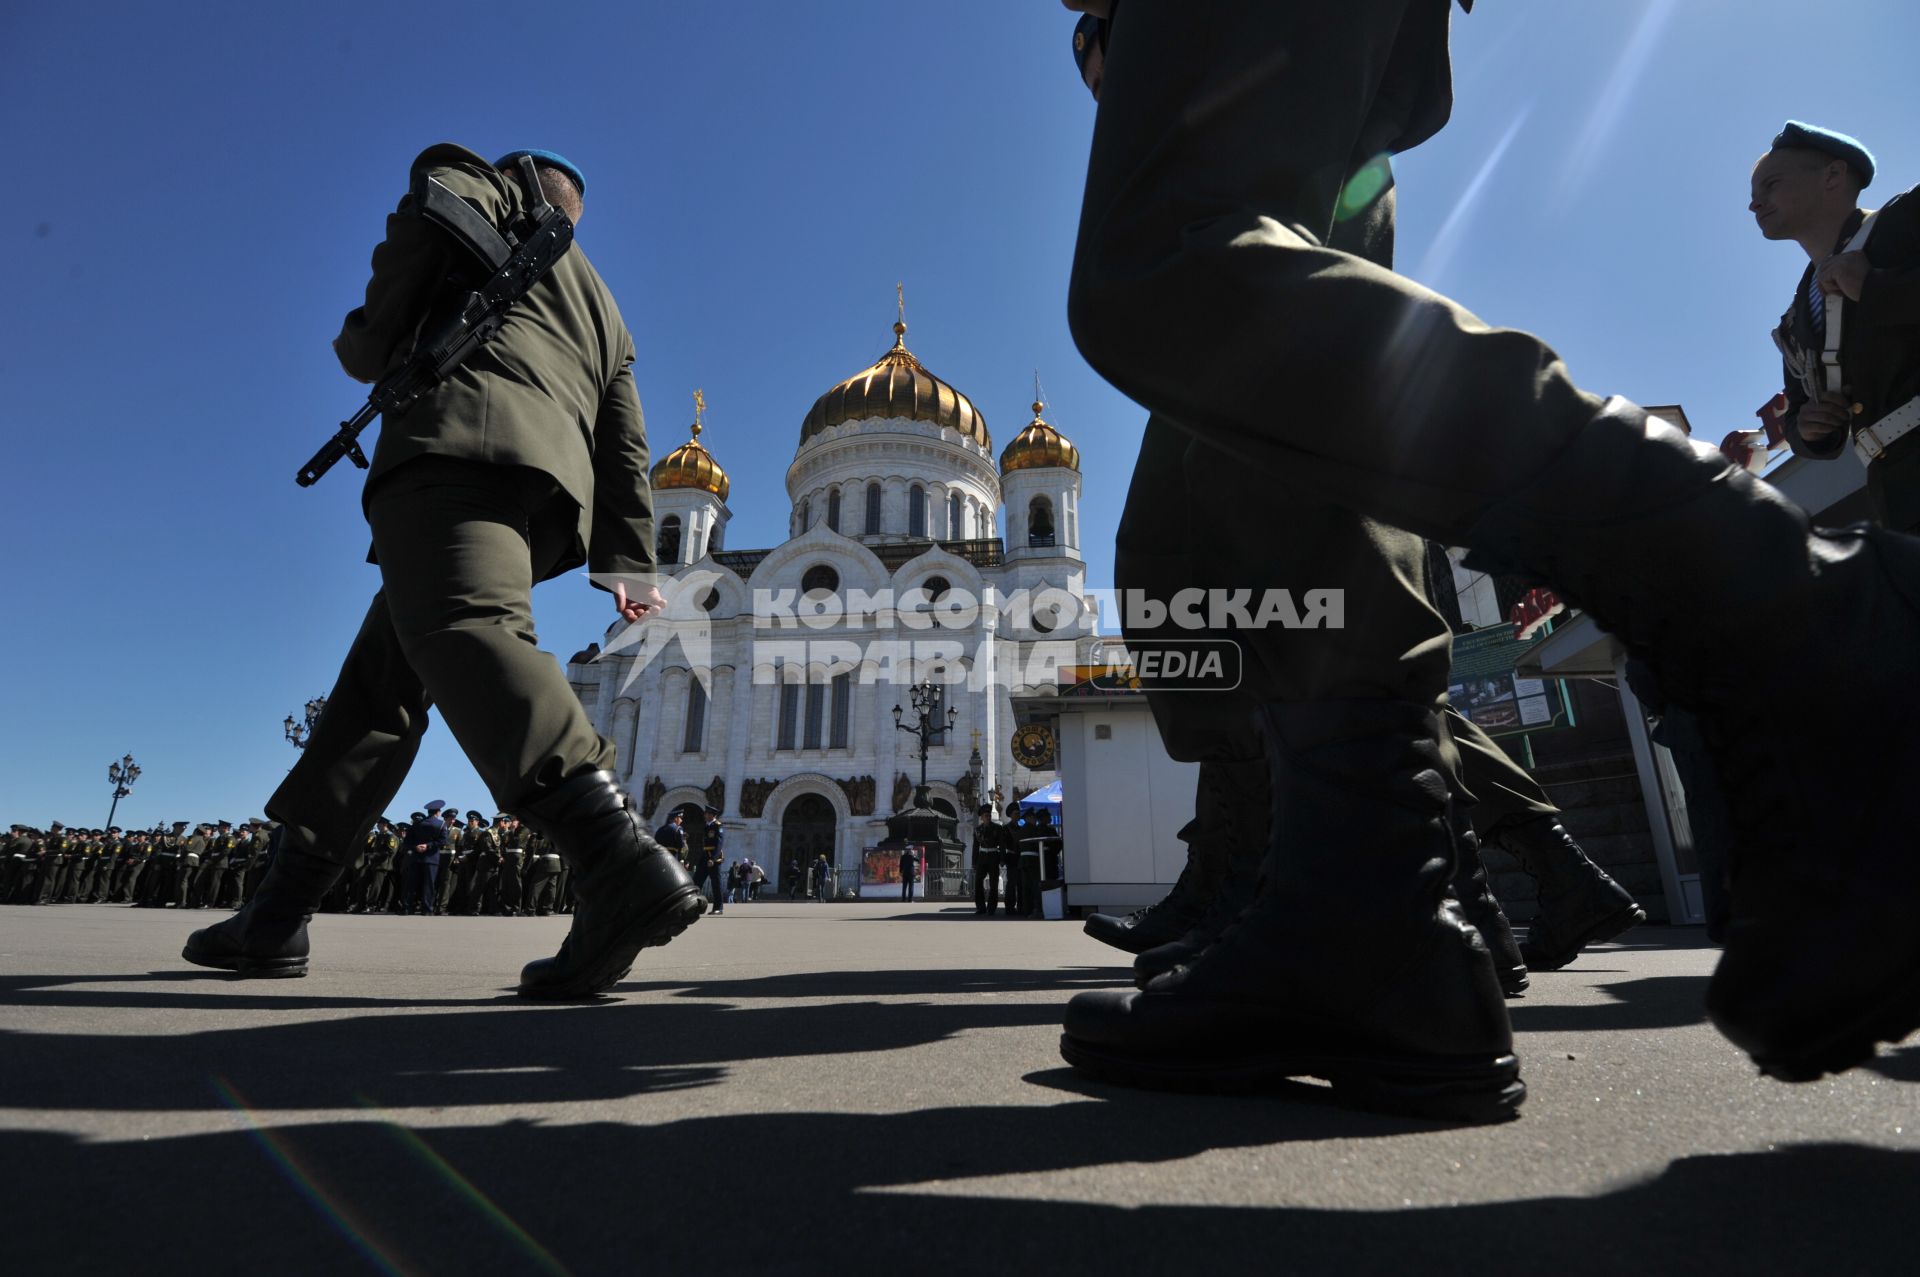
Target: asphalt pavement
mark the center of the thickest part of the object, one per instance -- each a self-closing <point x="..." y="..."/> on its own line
<point x="847" y="1088"/>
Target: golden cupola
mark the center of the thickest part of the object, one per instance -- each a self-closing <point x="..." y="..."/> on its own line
<point x="691" y="465"/>
<point x="1039" y="446"/>
<point x="896" y="386"/>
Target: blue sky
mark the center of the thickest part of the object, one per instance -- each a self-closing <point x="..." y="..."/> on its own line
<point x="196" y="189"/>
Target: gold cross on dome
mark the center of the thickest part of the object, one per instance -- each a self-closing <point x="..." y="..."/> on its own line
<point x="699" y="411"/>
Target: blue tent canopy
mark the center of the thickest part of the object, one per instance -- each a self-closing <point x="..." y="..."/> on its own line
<point x="1048" y="797"/>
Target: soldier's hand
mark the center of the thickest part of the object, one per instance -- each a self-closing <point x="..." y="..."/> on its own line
<point x="1822" y="417"/>
<point x="640" y="606"/>
<point x="1843" y="273"/>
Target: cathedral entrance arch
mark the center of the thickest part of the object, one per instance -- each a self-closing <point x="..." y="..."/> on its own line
<point x="807" y="829"/>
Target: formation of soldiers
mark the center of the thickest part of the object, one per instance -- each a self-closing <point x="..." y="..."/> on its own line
<point x="495" y="867"/>
<point x="211" y="865"/>
<point x="492" y="867"/>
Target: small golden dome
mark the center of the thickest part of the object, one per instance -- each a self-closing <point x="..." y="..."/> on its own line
<point x="897" y="385"/>
<point x="691" y="465"/>
<point x="1038" y="446"/>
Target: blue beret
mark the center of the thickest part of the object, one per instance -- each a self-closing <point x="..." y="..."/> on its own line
<point x="1087" y="32"/>
<point x="1807" y="137"/>
<point x="553" y="159"/>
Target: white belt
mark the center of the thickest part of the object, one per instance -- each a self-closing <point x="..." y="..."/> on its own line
<point x="1871" y="442"/>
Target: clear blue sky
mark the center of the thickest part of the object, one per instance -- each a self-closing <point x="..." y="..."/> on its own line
<point x="194" y="190"/>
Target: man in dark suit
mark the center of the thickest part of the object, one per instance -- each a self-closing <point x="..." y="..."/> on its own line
<point x="527" y="461"/>
<point x="426" y="839"/>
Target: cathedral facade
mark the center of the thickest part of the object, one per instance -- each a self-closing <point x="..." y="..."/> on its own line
<point x="779" y="685"/>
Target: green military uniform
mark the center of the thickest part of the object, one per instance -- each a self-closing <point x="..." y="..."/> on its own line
<point x="544" y="871"/>
<point x="13" y="861"/>
<point x="530" y="460"/>
<point x="55" y="851"/>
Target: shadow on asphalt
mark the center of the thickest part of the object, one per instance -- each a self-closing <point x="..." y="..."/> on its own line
<point x="1902" y="1064"/>
<point x="368" y="1196"/>
<point x="895" y="982"/>
<point x="1652" y="1002"/>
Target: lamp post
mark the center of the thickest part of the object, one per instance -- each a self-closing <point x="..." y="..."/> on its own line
<point x="925" y="698"/>
<point x="122" y="774"/>
<point x="299" y="733"/>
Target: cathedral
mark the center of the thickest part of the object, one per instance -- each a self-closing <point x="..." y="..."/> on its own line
<point x="783" y="693"/>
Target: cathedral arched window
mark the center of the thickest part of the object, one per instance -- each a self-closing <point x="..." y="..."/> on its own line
<point x="806" y="514"/>
<point x="916" y="511"/>
<point x="833" y="510"/>
<point x="696" y="716"/>
<point x="668" y="543"/>
<point x="1040" y="522"/>
<point x="873" y="509"/>
<point x="954" y="529"/>
<point x="819" y="577"/>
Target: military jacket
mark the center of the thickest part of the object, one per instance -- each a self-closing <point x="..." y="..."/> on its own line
<point x="1880" y="335"/>
<point x="553" y="390"/>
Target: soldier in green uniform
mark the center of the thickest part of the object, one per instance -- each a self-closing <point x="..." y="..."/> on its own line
<point x="54" y="850"/>
<point x="1206" y="286"/>
<point x="528" y="461"/>
<point x="479" y="886"/>
<point x="543" y="870"/>
<point x="86" y="855"/>
<point x="456" y="861"/>
<point x="13" y="861"/>
<point x="212" y="877"/>
<point x="139" y="857"/>
<point x="510" y="884"/>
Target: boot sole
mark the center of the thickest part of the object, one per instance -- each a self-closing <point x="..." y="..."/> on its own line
<point x="1483" y="1090"/>
<point x="1616" y="923"/>
<point x="657" y="926"/>
<point x="1855" y="1044"/>
<point x="249" y="968"/>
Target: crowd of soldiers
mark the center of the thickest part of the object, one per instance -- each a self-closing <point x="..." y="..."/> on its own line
<point x="495" y="867"/>
<point x="216" y="865"/>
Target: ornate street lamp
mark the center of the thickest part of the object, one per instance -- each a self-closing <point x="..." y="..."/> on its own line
<point x="299" y="733"/>
<point x="122" y="774"/>
<point x="925" y="698"/>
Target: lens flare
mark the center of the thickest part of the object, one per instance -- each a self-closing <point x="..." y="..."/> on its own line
<point x="1368" y="183"/>
<point x="539" y="1255"/>
<point x="357" y="1232"/>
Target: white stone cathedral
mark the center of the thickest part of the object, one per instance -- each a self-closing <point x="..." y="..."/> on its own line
<point x="792" y="732"/>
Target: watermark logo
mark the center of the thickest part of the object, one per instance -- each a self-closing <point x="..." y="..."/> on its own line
<point x="993" y="638"/>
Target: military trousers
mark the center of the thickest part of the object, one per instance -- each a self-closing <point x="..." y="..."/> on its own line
<point x="1232" y="140"/>
<point x="460" y="545"/>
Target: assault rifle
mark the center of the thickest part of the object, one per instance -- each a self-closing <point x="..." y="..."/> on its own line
<point x="469" y="323"/>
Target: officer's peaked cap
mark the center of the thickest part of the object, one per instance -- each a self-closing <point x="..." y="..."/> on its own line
<point x="1810" y="137"/>
<point x="552" y="159"/>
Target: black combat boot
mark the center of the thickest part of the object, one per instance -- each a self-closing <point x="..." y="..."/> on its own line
<point x="1580" y="904"/>
<point x="630" y="892"/>
<point x="1411" y="1021"/>
<point x="1688" y="559"/>
<point x="1169" y="917"/>
<point x="1482" y="909"/>
<point x="1237" y="799"/>
<point x="267" y="939"/>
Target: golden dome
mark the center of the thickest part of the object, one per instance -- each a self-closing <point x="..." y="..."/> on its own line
<point x="897" y="385"/>
<point x="1038" y="446"/>
<point x="691" y="465"/>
